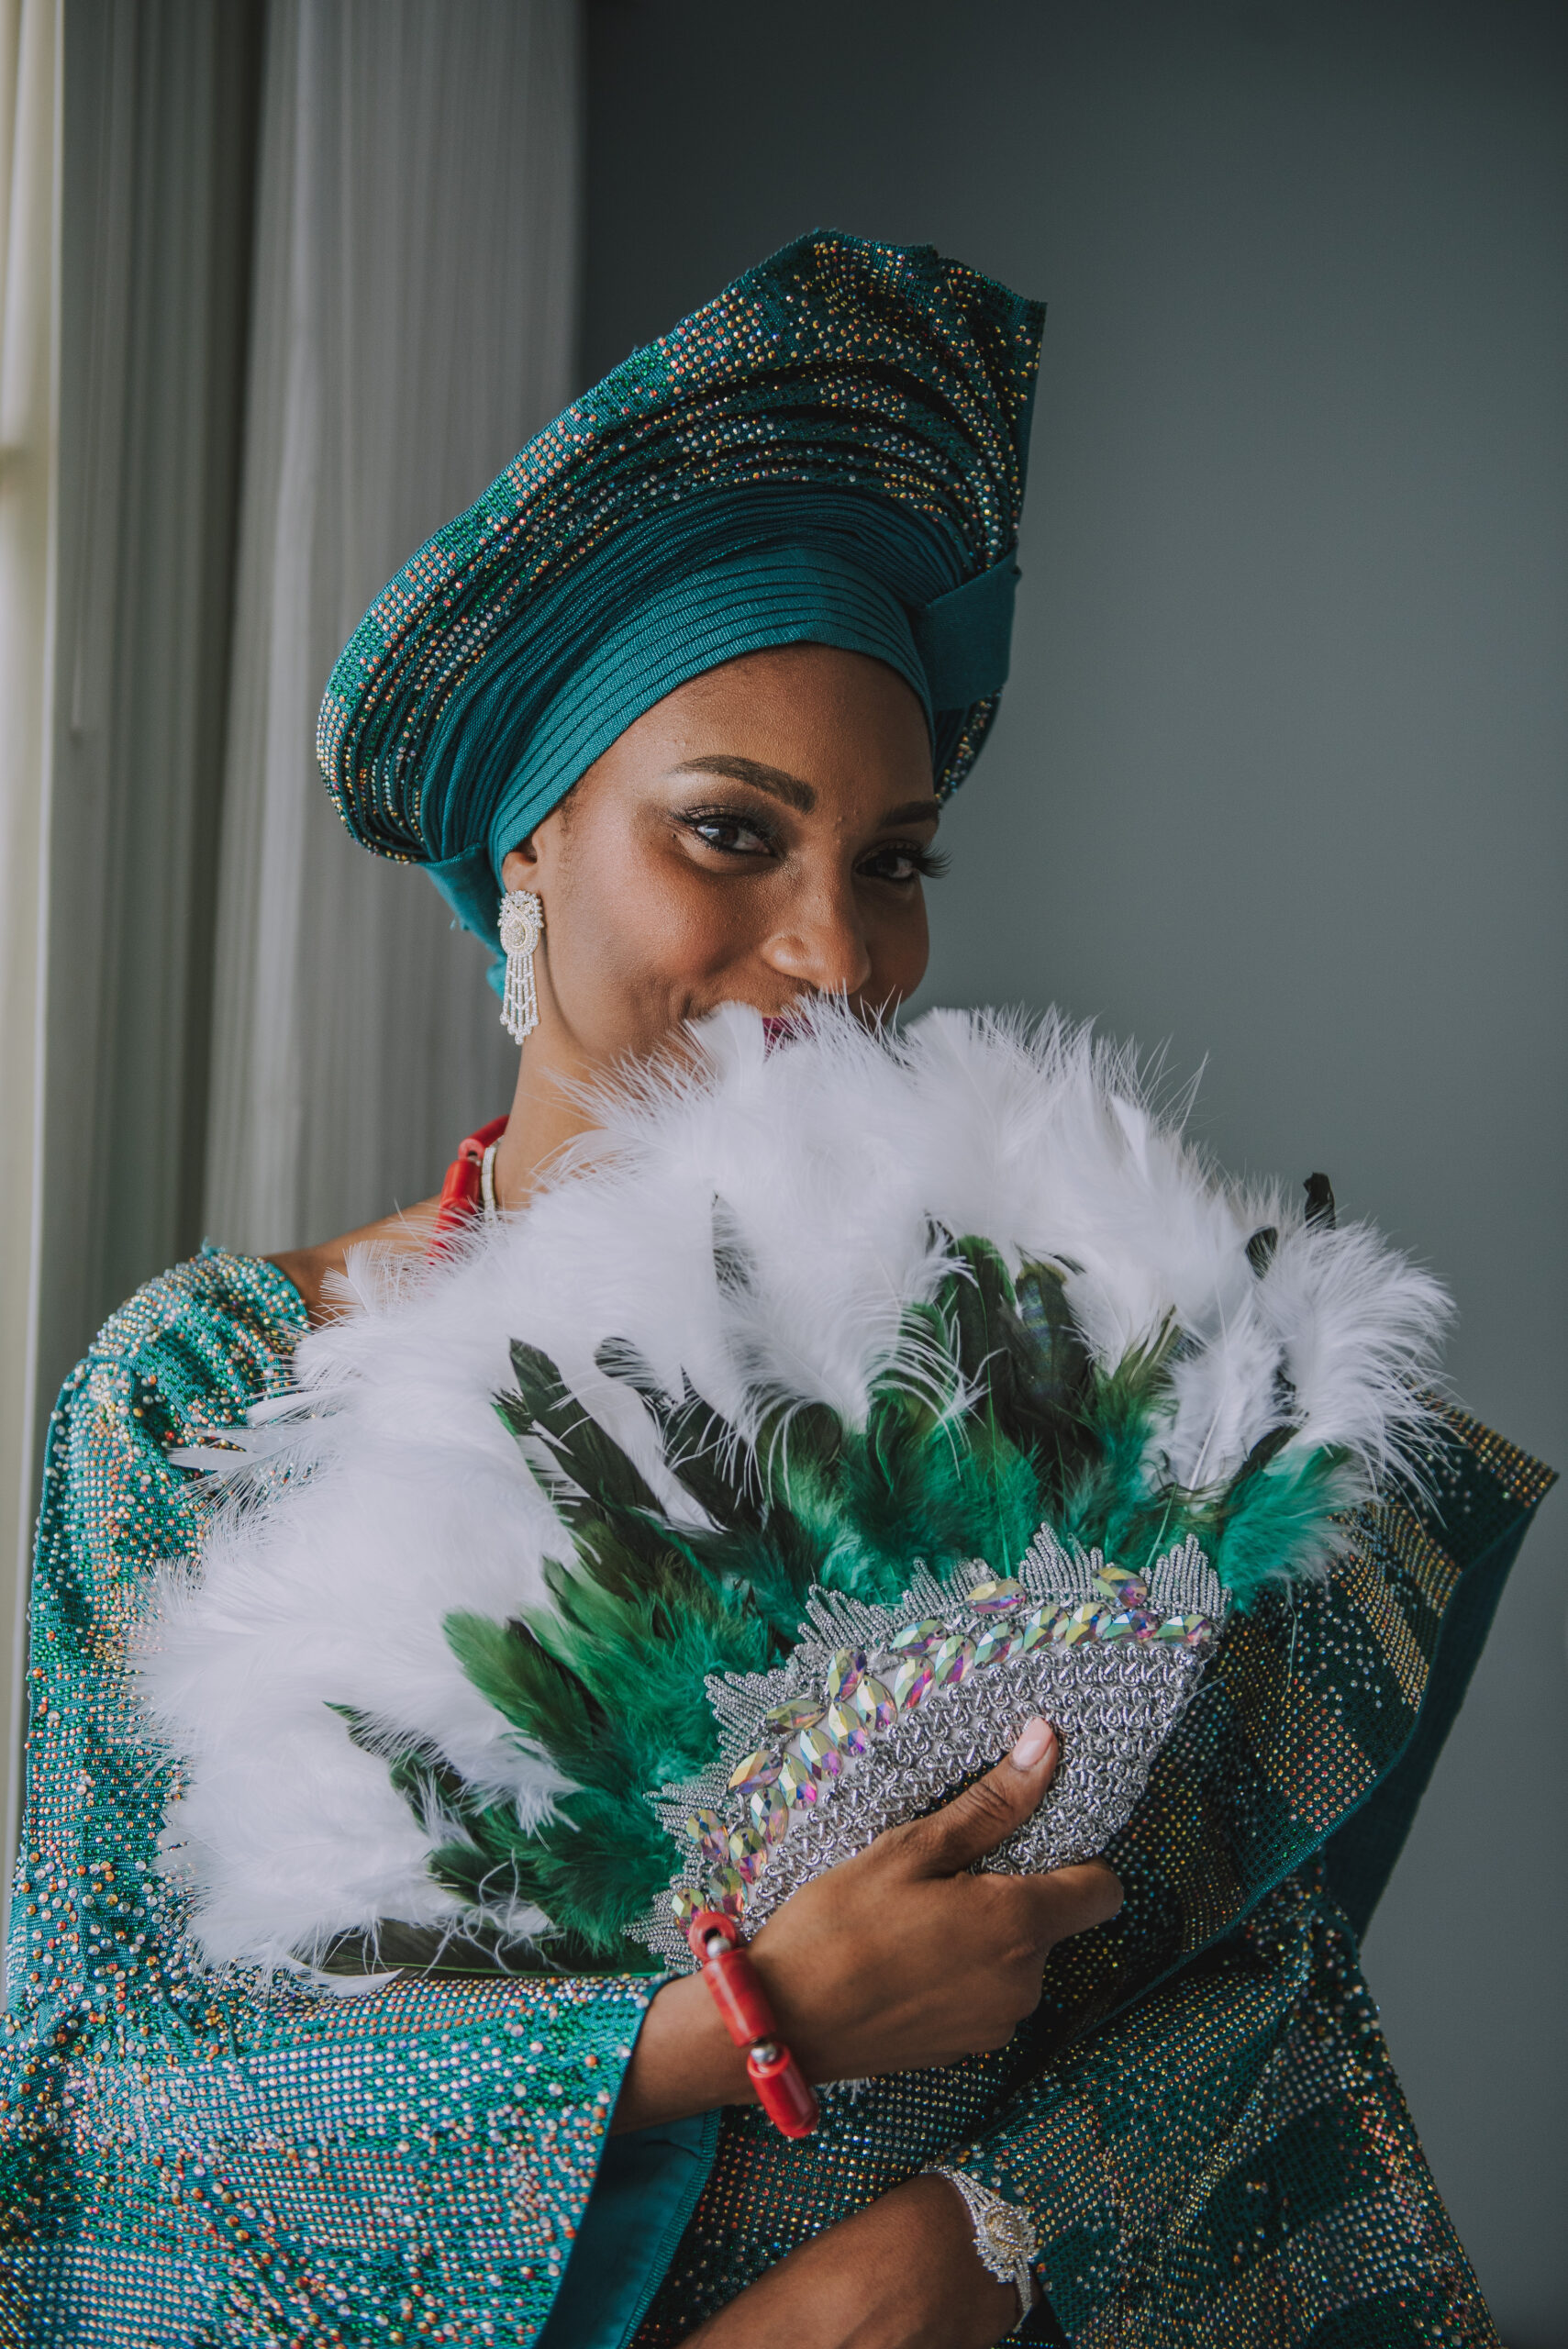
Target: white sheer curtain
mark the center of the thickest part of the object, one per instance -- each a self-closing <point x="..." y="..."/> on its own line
<point x="30" y="45"/>
<point x="411" y="308"/>
<point x="412" y="326"/>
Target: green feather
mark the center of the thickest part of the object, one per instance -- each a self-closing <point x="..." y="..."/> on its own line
<point x="988" y="1417"/>
<point x="697" y="1442"/>
<point x="604" y="1863"/>
<point x="542" y="1700"/>
<point x="1271" y="1520"/>
<point x="545" y="1407"/>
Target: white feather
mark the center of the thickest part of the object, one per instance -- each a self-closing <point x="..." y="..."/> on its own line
<point x="391" y="1495"/>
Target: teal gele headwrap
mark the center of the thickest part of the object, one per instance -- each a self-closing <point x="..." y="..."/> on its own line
<point x="831" y="451"/>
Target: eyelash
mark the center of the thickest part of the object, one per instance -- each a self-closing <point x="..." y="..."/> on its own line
<point x="928" y="864"/>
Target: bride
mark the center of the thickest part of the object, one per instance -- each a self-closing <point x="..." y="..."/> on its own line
<point x="403" y="1774"/>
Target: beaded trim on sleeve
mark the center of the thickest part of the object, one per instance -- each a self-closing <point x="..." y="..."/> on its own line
<point x="1003" y="2237"/>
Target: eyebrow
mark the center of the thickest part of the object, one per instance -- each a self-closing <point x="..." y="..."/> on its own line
<point x="774" y="780"/>
<point x="779" y="785"/>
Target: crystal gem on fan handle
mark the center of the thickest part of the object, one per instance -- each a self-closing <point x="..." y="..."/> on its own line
<point x="995" y="1643"/>
<point x="753" y="1771"/>
<point x="874" y="1705"/>
<point x="797" y="1782"/>
<point x="951" y="1660"/>
<point x="1042" y="1625"/>
<point x="910" y="1682"/>
<point x="770" y="1812"/>
<point x="1082" y="1623"/>
<point x="994" y="1596"/>
<point x="796" y="1712"/>
<point x="845" y="1672"/>
<point x="727" y="1890"/>
<point x="683" y="1907"/>
<point x="847" y="1728"/>
<point x="817" y="1749"/>
<point x="915" y="1638"/>
<point x="707" y="1830"/>
<point x="749" y="1853"/>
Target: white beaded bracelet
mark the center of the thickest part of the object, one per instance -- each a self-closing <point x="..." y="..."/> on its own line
<point x="1003" y="2239"/>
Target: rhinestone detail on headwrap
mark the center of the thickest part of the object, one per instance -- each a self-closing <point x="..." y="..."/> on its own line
<point x="866" y="402"/>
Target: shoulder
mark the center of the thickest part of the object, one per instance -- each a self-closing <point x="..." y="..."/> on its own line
<point x="194" y="1348"/>
<point x="317" y="1273"/>
<point x="199" y="1344"/>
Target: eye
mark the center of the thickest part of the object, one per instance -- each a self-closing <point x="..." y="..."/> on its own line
<point x="903" y="862"/>
<point x="728" y="832"/>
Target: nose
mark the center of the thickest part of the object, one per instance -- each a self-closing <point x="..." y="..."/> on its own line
<point x="821" y="943"/>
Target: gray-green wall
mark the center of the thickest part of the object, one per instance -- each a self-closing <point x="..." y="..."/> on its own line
<point x="1280" y="778"/>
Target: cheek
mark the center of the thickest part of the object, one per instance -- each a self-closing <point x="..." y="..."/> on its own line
<point x="636" y="934"/>
<point x="899" y="943"/>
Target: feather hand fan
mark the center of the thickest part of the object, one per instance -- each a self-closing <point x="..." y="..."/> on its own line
<point x="866" y="1398"/>
<point x="846" y="1624"/>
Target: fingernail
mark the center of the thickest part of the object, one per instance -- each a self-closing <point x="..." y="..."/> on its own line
<point x="1033" y="1739"/>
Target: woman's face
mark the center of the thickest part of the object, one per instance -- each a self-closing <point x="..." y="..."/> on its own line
<point x="758" y="837"/>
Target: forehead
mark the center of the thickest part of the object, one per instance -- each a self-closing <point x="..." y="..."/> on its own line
<point x="827" y="716"/>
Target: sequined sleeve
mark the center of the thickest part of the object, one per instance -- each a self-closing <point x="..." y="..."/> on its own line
<point x="187" y="2158"/>
<point x="1201" y="2117"/>
<point x="1233" y="2146"/>
<point x="1235" y="2152"/>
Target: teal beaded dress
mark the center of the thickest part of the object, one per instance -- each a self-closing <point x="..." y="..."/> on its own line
<point x="1201" y="2116"/>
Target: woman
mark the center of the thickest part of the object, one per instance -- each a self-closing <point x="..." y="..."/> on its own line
<point x="671" y="715"/>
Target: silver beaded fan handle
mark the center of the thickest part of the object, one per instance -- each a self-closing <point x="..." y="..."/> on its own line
<point x="1003" y="2237"/>
<point x="881" y="1713"/>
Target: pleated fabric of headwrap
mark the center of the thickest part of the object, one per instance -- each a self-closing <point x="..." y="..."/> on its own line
<point x="831" y="451"/>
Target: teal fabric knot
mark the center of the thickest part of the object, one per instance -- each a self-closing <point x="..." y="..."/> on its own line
<point x="964" y="638"/>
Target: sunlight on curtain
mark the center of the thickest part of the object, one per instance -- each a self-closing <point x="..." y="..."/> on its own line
<point x="29" y="254"/>
<point x="413" y="320"/>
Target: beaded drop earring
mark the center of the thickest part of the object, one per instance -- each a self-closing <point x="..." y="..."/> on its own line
<point x="522" y="927"/>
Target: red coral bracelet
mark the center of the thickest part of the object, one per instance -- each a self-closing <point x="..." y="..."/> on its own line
<point x="785" y="2093"/>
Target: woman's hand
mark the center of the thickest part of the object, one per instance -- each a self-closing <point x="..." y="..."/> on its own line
<point x="889" y="1962"/>
<point x="903" y="2274"/>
